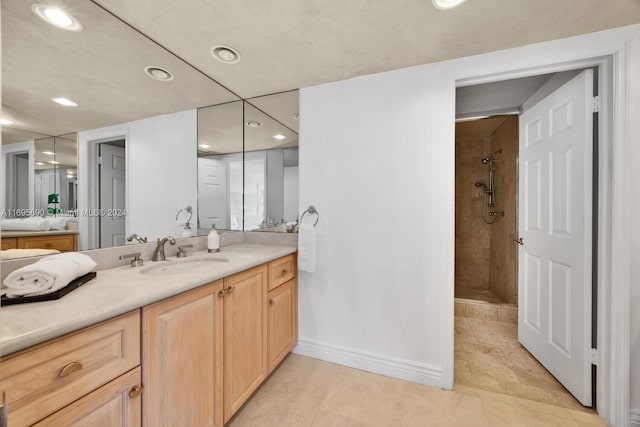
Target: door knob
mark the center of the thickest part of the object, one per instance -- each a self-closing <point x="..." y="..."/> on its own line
<point x="520" y="241"/>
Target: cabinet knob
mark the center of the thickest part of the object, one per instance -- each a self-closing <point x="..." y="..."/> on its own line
<point x="284" y="272"/>
<point x="231" y="289"/>
<point x="221" y="293"/>
<point x="272" y="301"/>
<point x="69" y="369"/>
<point x="136" y="391"/>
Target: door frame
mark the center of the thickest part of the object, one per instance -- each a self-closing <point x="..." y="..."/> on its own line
<point x="8" y="151"/>
<point x="88" y="189"/>
<point x="614" y="251"/>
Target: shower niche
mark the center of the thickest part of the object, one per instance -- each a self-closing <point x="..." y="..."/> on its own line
<point x="486" y="186"/>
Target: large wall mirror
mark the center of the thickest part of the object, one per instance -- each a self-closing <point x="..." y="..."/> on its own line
<point x="77" y="104"/>
<point x="109" y="137"/>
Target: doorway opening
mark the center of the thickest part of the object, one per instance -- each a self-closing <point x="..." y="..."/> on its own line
<point x="525" y="217"/>
<point x="112" y="193"/>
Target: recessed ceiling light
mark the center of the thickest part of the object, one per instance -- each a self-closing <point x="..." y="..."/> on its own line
<point x="296" y="116"/>
<point x="39" y="164"/>
<point x="49" y="153"/>
<point x="159" y="73"/>
<point x="70" y="176"/>
<point x="57" y="17"/>
<point x="225" y="54"/>
<point x="53" y="162"/>
<point x="279" y="136"/>
<point x="6" y="122"/>
<point x="447" y="4"/>
<point x="64" y="101"/>
<point x="204" y="146"/>
<point x="254" y="124"/>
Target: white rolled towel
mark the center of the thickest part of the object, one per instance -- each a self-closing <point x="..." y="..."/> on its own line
<point x="47" y="275"/>
<point x="36" y="223"/>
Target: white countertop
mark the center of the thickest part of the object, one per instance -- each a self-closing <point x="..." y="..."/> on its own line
<point x="116" y="291"/>
<point x="18" y="233"/>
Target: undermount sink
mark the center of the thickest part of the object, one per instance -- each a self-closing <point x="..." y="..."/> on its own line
<point x="182" y="266"/>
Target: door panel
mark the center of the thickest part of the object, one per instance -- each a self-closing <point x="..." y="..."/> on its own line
<point x="112" y="195"/>
<point x="555" y="202"/>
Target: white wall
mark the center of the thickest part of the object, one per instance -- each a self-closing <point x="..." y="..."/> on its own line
<point x="161" y="172"/>
<point x="382" y="296"/>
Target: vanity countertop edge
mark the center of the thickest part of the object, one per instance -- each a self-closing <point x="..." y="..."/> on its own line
<point x="116" y="291"/>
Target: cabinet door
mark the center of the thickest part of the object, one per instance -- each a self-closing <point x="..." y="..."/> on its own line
<point x="245" y="336"/>
<point x="281" y="323"/>
<point x="115" y="404"/>
<point x="182" y="359"/>
<point x="8" y="243"/>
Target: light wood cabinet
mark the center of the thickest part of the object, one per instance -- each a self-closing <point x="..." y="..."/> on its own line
<point x="182" y="354"/>
<point x="45" y="378"/>
<point x="281" y="323"/>
<point x="61" y="242"/>
<point x="116" y="404"/>
<point x="281" y="271"/>
<point x="245" y="336"/>
<point x="8" y="243"/>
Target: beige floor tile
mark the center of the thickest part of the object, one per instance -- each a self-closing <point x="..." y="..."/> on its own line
<point x="587" y="418"/>
<point x="359" y="399"/>
<point x="326" y="419"/>
<point x="501" y="414"/>
<point x="267" y="410"/>
<point x="442" y="408"/>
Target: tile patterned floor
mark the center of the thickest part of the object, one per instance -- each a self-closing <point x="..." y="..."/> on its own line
<point x="305" y="392"/>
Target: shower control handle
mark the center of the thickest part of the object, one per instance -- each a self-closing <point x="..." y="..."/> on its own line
<point x="520" y="241"/>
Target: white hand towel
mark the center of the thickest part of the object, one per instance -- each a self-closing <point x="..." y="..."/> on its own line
<point x="48" y="274"/>
<point x="26" y="224"/>
<point x="307" y="247"/>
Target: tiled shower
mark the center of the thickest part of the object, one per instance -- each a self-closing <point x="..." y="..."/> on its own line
<point x="485" y="260"/>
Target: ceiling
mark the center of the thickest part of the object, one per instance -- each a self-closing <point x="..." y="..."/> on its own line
<point x="288" y="44"/>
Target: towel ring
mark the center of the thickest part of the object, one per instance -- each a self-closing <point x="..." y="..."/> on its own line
<point x="312" y="211"/>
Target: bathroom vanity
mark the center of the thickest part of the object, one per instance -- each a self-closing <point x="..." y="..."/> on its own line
<point x="160" y="349"/>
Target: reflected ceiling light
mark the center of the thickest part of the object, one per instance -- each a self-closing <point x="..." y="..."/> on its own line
<point x="159" y="73"/>
<point x="6" y="122"/>
<point x="447" y="4"/>
<point x="57" y="17"/>
<point x="296" y="116"/>
<point x="254" y="124"/>
<point x="64" y="101"/>
<point x="53" y="162"/>
<point x="225" y="54"/>
<point x="70" y="176"/>
<point x="204" y="146"/>
<point x="279" y="136"/>
<point x="39" y="164"/>
<point x="48" y="153"/>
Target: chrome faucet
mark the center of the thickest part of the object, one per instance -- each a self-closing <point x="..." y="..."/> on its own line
<point x="138" y="238"/>
<point x="158" y="254"/>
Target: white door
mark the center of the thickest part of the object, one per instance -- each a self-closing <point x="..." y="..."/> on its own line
<point x="112" y="195"/>
<point x="555" y="210"/>
<point x="213" y="207"/>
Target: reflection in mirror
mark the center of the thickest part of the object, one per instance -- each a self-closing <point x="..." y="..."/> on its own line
<point x="271" y="163"/>
<point x="102" y="69"/>
<point x="220" y="167"/>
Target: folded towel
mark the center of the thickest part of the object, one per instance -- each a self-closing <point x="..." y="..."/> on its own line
<point x="47" y="275"/>
<point x="35" y="223"/>
<point x="307" y="247"/>
<point x="26" y="253"/>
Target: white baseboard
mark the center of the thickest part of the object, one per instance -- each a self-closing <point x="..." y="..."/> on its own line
<point x="635" y="418"/>
<point x="384" y="365"/>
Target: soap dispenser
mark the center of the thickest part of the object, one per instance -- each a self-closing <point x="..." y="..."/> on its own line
<point x="213" y="240"/>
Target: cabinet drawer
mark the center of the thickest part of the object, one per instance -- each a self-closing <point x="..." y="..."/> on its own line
<point x="41" y="380"/>
<point x="281" y="270"/>
<point x="9" y="243"/>
<point x="63" y="243"/>
<point x="114" y="404"/>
